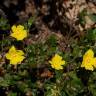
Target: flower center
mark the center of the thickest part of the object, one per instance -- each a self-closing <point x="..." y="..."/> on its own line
<point x="14" y="55"/>
<point x="88" y="60"/>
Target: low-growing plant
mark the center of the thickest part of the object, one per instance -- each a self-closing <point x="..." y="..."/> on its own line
<point x="41" y="68"/>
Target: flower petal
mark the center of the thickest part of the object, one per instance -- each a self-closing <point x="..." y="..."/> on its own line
<point x="20" y="27"/>
<point x="89" y="53"/>
<point x="14" y="28"/>
<point x="12" y="49"/>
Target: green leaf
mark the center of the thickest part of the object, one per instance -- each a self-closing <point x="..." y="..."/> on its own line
<point x="81" y="17"/>
<point x="91" y="35"/>
<point x="52" y="41"/>
<point x="22" y="86"/>
<point x="30" y="21"/>
<point x="6" y="81"/>
<point x="12" y="94"/>
<point x="4" y="24"/>
<point x="92" y="17"/>
<point x="93" y="89"/>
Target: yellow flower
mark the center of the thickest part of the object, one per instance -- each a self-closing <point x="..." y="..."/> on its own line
<point x="89" y="61"/>
<point x="15" y="56"/>
<point x="18" y="32"/>
<point x="57" y="62"/>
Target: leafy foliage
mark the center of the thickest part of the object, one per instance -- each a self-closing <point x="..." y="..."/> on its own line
<point x="35" y="77"/>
